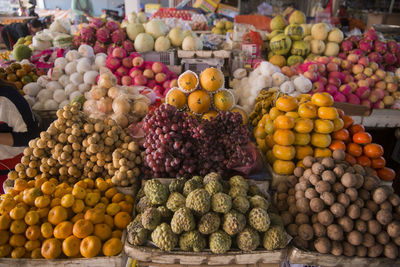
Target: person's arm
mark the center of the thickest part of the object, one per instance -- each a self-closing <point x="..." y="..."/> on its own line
<point x="6" y="139"/>
<point x="74" y="7"/>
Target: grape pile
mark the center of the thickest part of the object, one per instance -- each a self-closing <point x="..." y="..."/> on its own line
<point x="179" y="145"/>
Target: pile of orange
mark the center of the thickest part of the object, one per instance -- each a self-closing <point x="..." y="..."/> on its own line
<point x="296" y="128"/>
<point x="43" y="218"/>
<point x="359" y="148"/>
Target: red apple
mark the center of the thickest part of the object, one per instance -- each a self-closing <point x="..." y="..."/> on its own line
<point x="362" y="83"/>
<point x="382" y="85"/>
<point x="318" y="87"/>
<point x="348" y="78"/>
<point x="353" y="58"/>
<point x="374" y="66"/>
<point x="360" y="76"/>
<point x="323" y="80"/>
<point x="357" y="69"/>
<point x="364" y="61"/>
<point x="312" y="76"/>
<point x="332" y="66"/>
<point x="392" y="87"/>
<point x="334" y="81"/>
<point x="346" y="65"/>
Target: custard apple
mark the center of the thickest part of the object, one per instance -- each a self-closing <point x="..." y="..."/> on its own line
<point x="198" y="179"/>
<point x="275" y="237"/>
<point x="275" y="219"/>
<point x="199" y="201"/>
<point x="151" y="217"/>
<point x="238" y="180"/>
<point x="190" y="186"/>
<point x="143" y="204"/>
<point x="176" y="185"/>
<point x="221" y="203"/>
<point x="140" y="193"/>
<point x="212" y="176"/>
<point x="259" y="202"/>
<point x="213" y="187"/>
<point x="236" y="191"/>
<point x="233" y="222"/>
<point x="192" y="241"/>
<point x="175" y="201"/>
<point x="156" y="192"/>
<point x="254" y="190"/>
<point x="241" y="204"/>
<point x="165" y="213"/>
<point x="182" y="221"/>
<point x="259" y="219"/>
<point x="248" y="239"/>
<point x="209" y="223"/>
<point x="164" y="238"/>
<point x="138" y="218"/>
<point x="137" y="234"/>
<point x="220" y="242"/>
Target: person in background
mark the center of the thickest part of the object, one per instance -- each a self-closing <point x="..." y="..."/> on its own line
<point x="17" y="127"/>
<point x="12" y="32"/>
<point x="83" y="9"/>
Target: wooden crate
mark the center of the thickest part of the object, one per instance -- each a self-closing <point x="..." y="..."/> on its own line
<point x="155" y="257"/>
<point x="298" y="256"/>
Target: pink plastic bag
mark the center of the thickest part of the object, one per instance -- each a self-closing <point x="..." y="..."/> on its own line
<point x="257" y="162"/>
<point x="136" y="132"/>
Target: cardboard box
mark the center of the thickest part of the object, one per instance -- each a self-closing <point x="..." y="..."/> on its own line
<point x="207" y="5"/>
<point x="227" y="10"/>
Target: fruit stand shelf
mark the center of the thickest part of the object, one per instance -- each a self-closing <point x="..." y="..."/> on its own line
<point x="298" y="256"/>
<point x="154" y="256"/>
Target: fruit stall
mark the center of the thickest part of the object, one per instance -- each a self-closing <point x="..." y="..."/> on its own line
<point x="192" y="139"/>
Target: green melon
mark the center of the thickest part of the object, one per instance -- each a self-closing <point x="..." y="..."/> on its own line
<point x="277" y="23"/>
<point x="280" y="44"/>
<point x="274" y="33"/>
<point x="300" y="48"/>
<point x="295" y="32"/>
<point x="294" y="59"/>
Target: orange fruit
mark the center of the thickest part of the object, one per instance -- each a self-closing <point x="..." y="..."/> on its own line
<point x="67" y="200"/>
<point x="373" y="151"/>
<point x="117" y="234"/>
<point x="32" y="244"/>
<point x="48" y="187"/>
<point x="32" y="217"/>
<point x="42" y="201"/>
<point x="129" y="199"/>
<point x="46" y="229"/>
<point x="81" y="184"/>
<point x="112" y="247"/>
<point x="43" y="212"/>
<point x="78" y="192"/>
<point x="20" y="184"/>
<point x="125" y="206"/>
<point x="102" y="231"/>
<point x="111" y="192"/>
<point x="118" y="197"/>
<point x="91" y="199"/>
<point x="7" y="204"/>
<point x="18" y="252"/>
<point x="82" y="228"/>
<point x="55" y="202"/>
<point x="386" y="174"/>
<point x="77" y="217"/>
<point x="57" y="214"/>
<point x="18" y="213"/>
<point x="17" y="240"/>
<point x="100" y="206"/>
<point x="113" y="209"/>
<point x="63" y="230"/>
<point x="109" y="220"/>
<point x="71" y="246"/>
<point x="78" y="206"/>
<point x="89" y="183"/>
<point x="39" y="182"/>
<point x="95" y="215"/>
<point x="104" y="200"/>
<point x="4" y="236"/>
<point x="18" y="227"/>
<point x="122" y="219"/>
<point x="36" y="253"/>
<point x="362" y="138"/>
<point x="32" y="232"/>
<point x="5" y="250"/>
<point x="51" y="248"/>
<point x="354" y="149"/>
<point x="5" y="221"/>
<point x="90" y="246"/>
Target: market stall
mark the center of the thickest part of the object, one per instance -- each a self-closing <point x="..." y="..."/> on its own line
<point x="196" y="138"/>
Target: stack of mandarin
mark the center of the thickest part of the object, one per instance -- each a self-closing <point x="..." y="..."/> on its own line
<point x="43" y="218"/>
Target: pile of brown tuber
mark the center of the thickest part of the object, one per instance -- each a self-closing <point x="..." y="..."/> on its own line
<point x="332" y="207"/>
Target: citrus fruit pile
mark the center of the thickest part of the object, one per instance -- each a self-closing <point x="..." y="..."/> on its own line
<point x="43" y="218"/>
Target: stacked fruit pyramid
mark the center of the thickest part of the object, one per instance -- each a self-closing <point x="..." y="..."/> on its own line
<point x="295" y="129"/>
<point x="186" y="212"/>
<point x="204" y="100"/>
